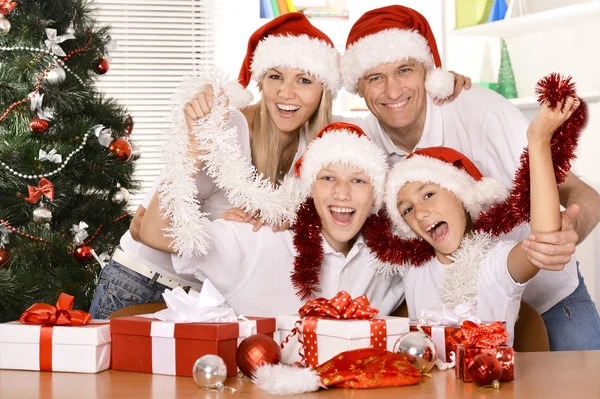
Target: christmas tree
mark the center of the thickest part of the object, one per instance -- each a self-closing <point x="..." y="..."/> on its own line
<point x="65" y="155"/>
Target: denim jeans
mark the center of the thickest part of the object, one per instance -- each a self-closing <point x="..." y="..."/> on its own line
<point x="573" y="323"/>
<point x="119" y="286"/>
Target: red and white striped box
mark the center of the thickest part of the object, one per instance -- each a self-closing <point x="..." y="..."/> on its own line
<point x="148" y="345"/>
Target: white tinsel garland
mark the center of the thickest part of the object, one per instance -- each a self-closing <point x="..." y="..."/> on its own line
<point x="177" y="194"/>
<point x="223" y="161"/>
<point x="386" y="269"/>
<point x="462" y="276"/>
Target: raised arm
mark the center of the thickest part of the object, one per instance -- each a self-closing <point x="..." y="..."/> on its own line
<point x="544" y="200"/>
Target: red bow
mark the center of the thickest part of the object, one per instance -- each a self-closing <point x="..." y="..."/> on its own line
<point x="44" y="187"/>
<point x="7" y="6"/>
<point x="483" y="335"/>
<point x="341" y="306"/>
<point x="59" y="315"/>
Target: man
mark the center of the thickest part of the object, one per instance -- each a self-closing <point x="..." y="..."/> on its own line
<point x="341" y="177"/>
<point x="391" y="61"/>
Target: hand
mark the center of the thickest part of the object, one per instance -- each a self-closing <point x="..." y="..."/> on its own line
<point x="241" y="216"/>
<point x="552" y="251"/>
<point x="547" y="120"/>
<point x="200" y="106"/>
<point x="460" y="82"/>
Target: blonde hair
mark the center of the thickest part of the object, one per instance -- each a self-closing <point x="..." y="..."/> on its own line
<point x="264" y="142"/>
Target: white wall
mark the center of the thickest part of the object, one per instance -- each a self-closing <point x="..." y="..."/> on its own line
<point x="571" y="50"/>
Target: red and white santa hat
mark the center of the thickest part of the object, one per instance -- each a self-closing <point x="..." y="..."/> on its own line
<point x="346" y="144"/>
<point x="290" y="40"/>
<point x="390" y="34"/>
<point x="448" y="169"/>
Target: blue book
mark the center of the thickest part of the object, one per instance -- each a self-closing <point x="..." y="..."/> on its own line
<point x="498" y="11"/>
<point x="266" y="11"/>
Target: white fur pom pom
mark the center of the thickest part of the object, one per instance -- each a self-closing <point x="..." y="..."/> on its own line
<point x="280" y="379"/>
<point x="439" y="83"/>
<point x="490" y="191"/>
<point x="238" y="96"/>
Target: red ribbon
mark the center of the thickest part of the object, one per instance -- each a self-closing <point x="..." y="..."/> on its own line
<point x="7" y="6"/>
<point x="483" y="335"/>
<point x="44" y="187"/>
<point x="341" y="306"/>
<point x="50" y="316"/>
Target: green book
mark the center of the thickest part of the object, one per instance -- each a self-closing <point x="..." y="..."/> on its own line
<point x="275" y="7"/>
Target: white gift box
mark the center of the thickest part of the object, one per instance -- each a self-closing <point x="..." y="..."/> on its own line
<point x="79" y="349"/>
<point x="335" y="336"/>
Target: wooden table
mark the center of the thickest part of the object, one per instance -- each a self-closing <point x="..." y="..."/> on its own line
<point x="537" y="375"/>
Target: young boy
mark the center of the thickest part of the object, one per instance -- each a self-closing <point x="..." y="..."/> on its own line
<point x="437" y="194"/>
<point x="342" y="177"/>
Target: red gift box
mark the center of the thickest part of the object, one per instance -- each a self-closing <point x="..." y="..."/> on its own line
<point x="464" y="356"/>
<point x="484" y="338"/>
<point x="148" y="345"/>
<point x="445" y="338"/>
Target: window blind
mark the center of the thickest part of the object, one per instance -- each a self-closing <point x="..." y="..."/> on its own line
<point x="158" y="43"/>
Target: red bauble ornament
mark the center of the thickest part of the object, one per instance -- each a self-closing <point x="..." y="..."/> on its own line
<point x="101" y="66"/>
<point x="121" y="148"/>
<point x="38" y="125"/>
<point x="255" y="351"/>
<point x="484" y="369"/>
<point x="4" y="255"/>
<point x="83" y="254"/>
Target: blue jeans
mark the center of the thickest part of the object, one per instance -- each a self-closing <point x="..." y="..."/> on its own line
<point x="573" y="323"/>
<point x="119" y="286"/>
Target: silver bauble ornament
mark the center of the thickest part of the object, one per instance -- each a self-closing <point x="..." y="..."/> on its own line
<point x="135" y="152"/>
<point x="4" y="25"/>
<point x="418" y="348"/>
<point x="56" y="75"/>
<point x="119" y="196"/>
<point x="209" y="372"/>
<point x="42" y="215"/>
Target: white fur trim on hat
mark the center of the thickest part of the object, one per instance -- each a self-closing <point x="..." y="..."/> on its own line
<point x="476" y="196"/>
<point x="384" y="47"/>
<point x="312" y="55"/>
<point x="280" y="379"/>
<point x="346" y="148"/>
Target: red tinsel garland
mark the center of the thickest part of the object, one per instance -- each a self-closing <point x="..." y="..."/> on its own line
<point x="309" y="251"/>
<point x="515" y="209"/>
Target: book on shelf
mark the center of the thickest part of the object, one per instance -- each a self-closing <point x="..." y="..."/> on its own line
<point x="283" y="8"/>
<point x="275" y="8"/>
<point x="325" y="13"/>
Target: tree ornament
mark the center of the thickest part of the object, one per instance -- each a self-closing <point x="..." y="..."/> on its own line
<point x="38" y="125"/>
<point x="4" y="256"/>
<point x="4" y="25"/>
<point x="119" y="196"/>
<point x="485" y="369"/>
<point x="128" y="125"/>
<point x="42" y="215"/>
<point x="418" y="348"/>
<point x="83" y="254"/>
<point x="121" y="149"/>
<point x="209" y="372"/>
<point x="101" y="66"/>
<point x="56" y="75"/>
<point x="255" y="351"/>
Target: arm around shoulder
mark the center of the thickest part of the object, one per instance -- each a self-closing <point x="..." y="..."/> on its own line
<point x="152" y="225"/>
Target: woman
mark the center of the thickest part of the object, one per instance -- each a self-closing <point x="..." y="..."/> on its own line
<point x="296" y="67"/>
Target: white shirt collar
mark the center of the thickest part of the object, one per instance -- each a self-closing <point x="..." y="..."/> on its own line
<point x="358" y="244"/>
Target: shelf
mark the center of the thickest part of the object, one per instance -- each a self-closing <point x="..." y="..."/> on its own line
<point x="526" y="103"/>
<point x="537" y="22"/>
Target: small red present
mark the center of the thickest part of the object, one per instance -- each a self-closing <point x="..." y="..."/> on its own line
<point x="148" y="345"/>
<point x="445" y="338"/>
<point x="484" y="338"/>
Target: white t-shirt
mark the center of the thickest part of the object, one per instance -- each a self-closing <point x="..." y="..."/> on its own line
<point x="212" y="200"/>
<point x="498" y="295"/>
<point x="252" y="271"/>
<point x="491" y="132"/>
